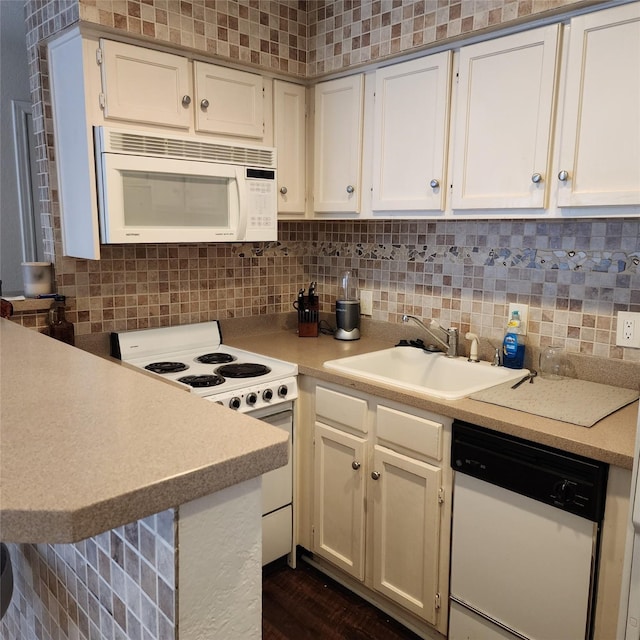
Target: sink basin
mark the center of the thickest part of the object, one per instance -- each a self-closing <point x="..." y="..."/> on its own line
<point x="432" y="374"/>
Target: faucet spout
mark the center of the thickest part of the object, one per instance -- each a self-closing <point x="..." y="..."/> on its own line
<point x="448" y="343"/>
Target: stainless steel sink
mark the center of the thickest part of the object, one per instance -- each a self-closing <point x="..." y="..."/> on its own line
<point x="432" y="374"/>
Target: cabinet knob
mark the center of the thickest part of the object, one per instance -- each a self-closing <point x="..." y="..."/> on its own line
<point x="536" y="178"/>
<point x="350" y="189"/>
<point x="355" y="465"/>
<point x="283" y="190"/>
<point x="563" y="176"/>
<point x="186" y="101"/>
<point x="204" y="103"/>
<point x="375" y="475"/>
<point x="434" y="184"/>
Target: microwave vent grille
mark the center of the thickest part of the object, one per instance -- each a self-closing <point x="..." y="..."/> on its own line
<point x="157" y="146"/>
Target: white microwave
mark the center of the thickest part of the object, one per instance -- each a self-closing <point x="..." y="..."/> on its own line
<point x="161" y="188"/>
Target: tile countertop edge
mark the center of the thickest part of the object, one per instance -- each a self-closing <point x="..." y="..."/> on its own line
<point x="610" y="440"/>
<point x="71" y="461"/>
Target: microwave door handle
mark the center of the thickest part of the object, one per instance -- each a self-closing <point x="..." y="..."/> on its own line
<point x="242" y="205"/>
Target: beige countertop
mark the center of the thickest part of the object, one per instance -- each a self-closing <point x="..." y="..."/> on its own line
<point x="609" y="440"/>
<point x="87" y="445"/>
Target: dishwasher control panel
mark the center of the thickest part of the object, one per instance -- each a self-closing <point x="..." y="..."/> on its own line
<point x="564" y="480"/>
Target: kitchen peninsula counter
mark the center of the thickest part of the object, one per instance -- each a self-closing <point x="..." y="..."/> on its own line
<point x="87" y="445"/>
<point x="610" y="440"/>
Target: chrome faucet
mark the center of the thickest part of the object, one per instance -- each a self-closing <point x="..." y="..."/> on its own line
<point x="447" y="340"/>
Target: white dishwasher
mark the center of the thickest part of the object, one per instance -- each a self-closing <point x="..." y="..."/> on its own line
<point x="525" y="538"/>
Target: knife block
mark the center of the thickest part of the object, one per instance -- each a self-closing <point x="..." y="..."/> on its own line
<point x="308" y="318"/>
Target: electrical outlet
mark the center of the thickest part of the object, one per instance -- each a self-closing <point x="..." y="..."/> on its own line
<point x="366" y="302"/>
<point x="523" y="309"/>
<point x="628" y="329"/>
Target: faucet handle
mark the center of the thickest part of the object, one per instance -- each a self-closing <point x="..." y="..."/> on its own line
<point x="496" y="357"/>
<point x="473" y="350"/>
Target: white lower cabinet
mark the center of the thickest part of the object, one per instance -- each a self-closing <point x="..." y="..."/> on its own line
<point x="406" y="531"/>
<point x="339" y="503"/>
<point x="381" y="492"/>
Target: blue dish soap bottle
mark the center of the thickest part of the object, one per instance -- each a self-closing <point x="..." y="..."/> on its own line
<point x="513" y="343"/>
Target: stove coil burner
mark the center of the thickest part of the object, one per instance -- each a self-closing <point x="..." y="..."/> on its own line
<point x="215" y="358"/>
<point x="243" y="370"/>
<point x="202" y="381"/>
<point x="166" y="367"/>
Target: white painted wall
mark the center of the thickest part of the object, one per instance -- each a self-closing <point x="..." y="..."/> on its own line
<point x="220" y="565"/>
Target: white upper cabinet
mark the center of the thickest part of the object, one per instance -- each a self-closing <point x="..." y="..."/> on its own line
<point x="144" y="85"/>
<point x="152" y="87"/>
<point x="410" y="134"/>
<point x="600" y="135"/>
<point x="503" y="121"/>
<point x="289" y="131"/>
<point x="228" y="101"/>
<point x="338" y="144"/>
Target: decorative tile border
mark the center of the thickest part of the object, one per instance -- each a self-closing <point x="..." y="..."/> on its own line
<point x="531" y="258"/>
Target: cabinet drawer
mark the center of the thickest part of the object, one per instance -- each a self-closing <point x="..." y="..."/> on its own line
<point x="341" y="409"/>
<point x="411" y="432"/>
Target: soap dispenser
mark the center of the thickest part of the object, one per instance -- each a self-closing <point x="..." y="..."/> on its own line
<point x="513" y="343"/>
<point x="59" y="327"/>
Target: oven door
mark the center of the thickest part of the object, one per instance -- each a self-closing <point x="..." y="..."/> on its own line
<point x="277" y="485"/>
<point x="148" y="199"/>
<point x="277" y="491"/>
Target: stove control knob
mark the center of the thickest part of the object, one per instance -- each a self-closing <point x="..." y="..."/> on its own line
<point x="283" y="390"/>
<point x="234" y="403"/>
<point x="252" y="398"/>
<point x="267" y="395"/>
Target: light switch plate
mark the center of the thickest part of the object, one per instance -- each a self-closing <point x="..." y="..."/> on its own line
<point x="366" y="302"/>
<point x="523" y="309"/>
<point x="628" y="329"/>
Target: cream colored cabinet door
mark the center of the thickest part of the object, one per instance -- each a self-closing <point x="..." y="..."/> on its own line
<point x="600" y="136"/>
<point x="143" y="85"/>
<point x="406" y="531"/>
<point x="338" y="144"/>
<point x="339" y="491"/>
<point x="410" y="134"/>
<point x="503" y="121"/>
<point x="228" y="101"/>
<point x="289" y="130"/>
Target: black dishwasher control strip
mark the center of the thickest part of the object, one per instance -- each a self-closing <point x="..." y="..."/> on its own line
<point x="564" y="480"/>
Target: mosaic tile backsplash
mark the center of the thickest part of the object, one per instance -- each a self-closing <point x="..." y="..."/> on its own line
<point x="119" y="585"/>
<point x="575" y="275"/>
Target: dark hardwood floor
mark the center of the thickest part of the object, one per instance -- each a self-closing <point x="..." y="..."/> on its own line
<point x="303" y="603"/>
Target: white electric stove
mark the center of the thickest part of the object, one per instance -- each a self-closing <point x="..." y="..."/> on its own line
<point x="193" y="355"/>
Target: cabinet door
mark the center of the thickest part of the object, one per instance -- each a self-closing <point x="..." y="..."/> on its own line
<point x="406" y="531"/>
<point x="338" y="144"/>
<point x="505" y="105"/>
<point x="289" y="130"/>
<point x="228" y="101"/>
<point x="600" y="136"/>
<point x="411" y="114"/>
<point x="143" y="85"/>
<point x="339" y="484"/>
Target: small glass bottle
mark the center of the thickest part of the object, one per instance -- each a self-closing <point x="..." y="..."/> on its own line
<point x="59" y="327"/>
